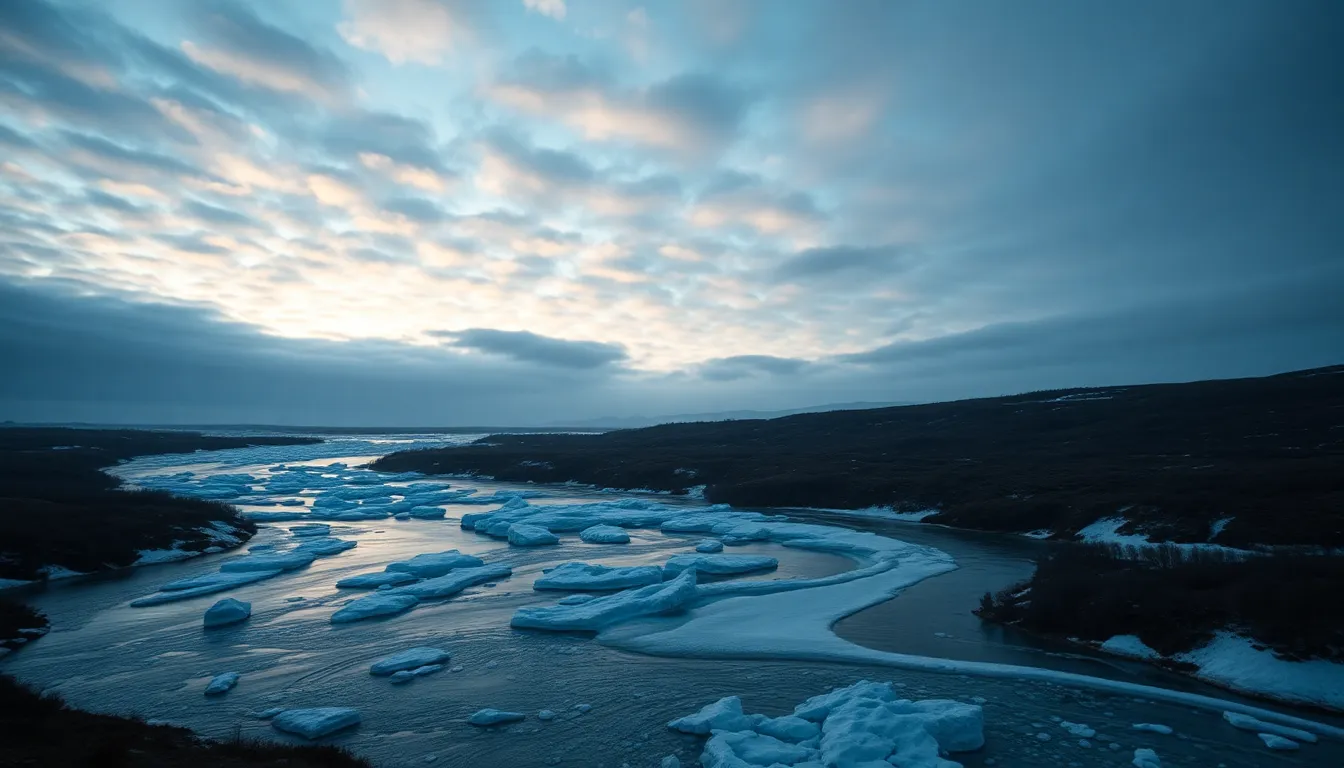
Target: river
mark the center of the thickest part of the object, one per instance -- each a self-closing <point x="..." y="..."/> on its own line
<point x="104" y="655"/>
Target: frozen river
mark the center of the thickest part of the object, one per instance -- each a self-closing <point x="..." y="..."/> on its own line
<point x="155" y="661"/>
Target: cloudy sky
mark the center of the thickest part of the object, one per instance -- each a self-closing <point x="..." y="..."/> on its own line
<point x="526" y="211"/>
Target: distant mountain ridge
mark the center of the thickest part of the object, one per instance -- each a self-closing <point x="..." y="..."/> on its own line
<point x="635" y="422"/>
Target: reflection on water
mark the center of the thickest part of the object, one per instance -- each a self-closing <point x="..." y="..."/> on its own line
<point x="155" y="662"/>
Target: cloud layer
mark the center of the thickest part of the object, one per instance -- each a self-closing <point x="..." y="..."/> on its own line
<point x="695" y="205"/>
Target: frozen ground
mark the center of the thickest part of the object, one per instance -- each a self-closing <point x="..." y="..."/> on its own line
<point x="157" y="660"/>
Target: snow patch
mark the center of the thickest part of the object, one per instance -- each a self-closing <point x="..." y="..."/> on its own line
<point x="1130" y="646"/>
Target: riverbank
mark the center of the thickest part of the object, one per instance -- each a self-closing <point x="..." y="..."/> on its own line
<point x="40" y="729"/>
<point x="62" y="515"/>
<point x="1239" y="463"/>
<point x="1265" y="625"/>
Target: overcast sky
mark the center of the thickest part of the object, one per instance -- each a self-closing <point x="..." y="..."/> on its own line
<point x="524" y="211"/>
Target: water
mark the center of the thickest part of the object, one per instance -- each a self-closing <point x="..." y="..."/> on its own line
<point x="155" y="662"/>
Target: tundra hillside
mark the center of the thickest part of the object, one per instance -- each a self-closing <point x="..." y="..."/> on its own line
<point x="1242" y="462"/>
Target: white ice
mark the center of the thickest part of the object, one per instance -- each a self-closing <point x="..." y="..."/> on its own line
<point x="719" y="565"/>
<point x="227" y="611"/>
<point x="604" y="534"/>
<point x="488" y="717"/>
<point x="1145" y="758"/>
<point x="375" y="580"/>
<point x="316" y="722"/>
<point x="1130" y="646"/>
<point x="861" y="726"/>
<point x="603" y="612"/>
<point x="582" y="576"/>
<point x="408" y="659"/>
<point x="1233" y="661"/>
<point x="1278" y="742"/>
<point x="433" y="564"/>
<point x="222" y="683"/>
<point x="524" y="535"/>
<point x="1248" y="723"/>
<point x="452" y="582"/>
<point x="373" y="606"/>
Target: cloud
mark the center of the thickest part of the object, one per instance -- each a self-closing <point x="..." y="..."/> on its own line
<point x="692" y="112"/>
<point x="745" y="366"/>
<point x="528" y="347"/>
<point x="238" y="43"/>
<point x="739" y="200"/>
<point x="553" y="8"/>
<point x="403" y="31"/>
<point x="821" y="262"/>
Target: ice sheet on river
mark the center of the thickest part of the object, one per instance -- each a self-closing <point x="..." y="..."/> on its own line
<point x="316" y="722"/>
<point x="374" y="606"/>
<point x="376" y="580"/>
<point x="719" y="565"/>
<point x="196" y="586"/>
<point x="582" y="576"/>
<point x="603" y="612"/>
<point x="433" y="564"/>
<point x="863" y="725"/>
<point x="604" y="534"/>
<point x="408" y="659"/>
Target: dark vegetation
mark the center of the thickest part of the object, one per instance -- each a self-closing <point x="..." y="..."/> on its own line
<point x="58" y="508"/>
<point x="1267" y="452"/>
<point x="1174" y="601"/>
<point x="19" y="624"/>
<point x="41" y="731"/>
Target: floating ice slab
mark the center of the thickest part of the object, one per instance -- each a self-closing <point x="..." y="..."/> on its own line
<point x="426" y="513"/>
<point x="575" y="599"/>
<point x="324" y="547"/>
<point x="407" y="675"/>
<point x="227" y="611"/>
<point x="1165" y="730"/>
<point x="208" y="585"/>
<point x="1278" y="742"/>
<point x="221" y="684"/>
<point x="595" y="615"/>
<point x="408" y="659"/>
<point x="719" y="565"/>
<point x="373" y="606"/>
<point x="488" y="717"/>
<point x="709" y="546"/>
<point x="310" y="529"/>
<point x="859" y="726"/>
<point x="582" y="576"/>
<point x="316" y="722"/>
<point x="1145" y="758"/>
<point x="723" y="715"/>
<point x="375" y="580"/>
<point x="524" y="535"/>
<point x="452" y="583"/>
<point x="431" y="564"/>
<point x="1255" y="725"/>
<point x="604" y="534"/>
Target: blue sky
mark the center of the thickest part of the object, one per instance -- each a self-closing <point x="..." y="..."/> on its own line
<point x="401" y="211"/>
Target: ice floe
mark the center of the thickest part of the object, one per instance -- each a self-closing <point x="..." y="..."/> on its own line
<point x="373" y="606"/>
<point x="1153" y="728"/>
<point x="865" y="724"/>
<point x="1278" y="742"/>
<point x="316" y="722"/>
<point x="600" y="613"/>
<point x="407" y="675"/>
<point x="408" y="659"/>
<point x="452" y="582"/>
<point x="222" y="683"/>
<point x="524" y="535"/>
<point x="719" y="565"/>
<point x="709" y="546"/>
<point x="582" y="576"/>
<point x="433" y="564"/>
<point x="604" y="534"/>
<point x="1146" y="758"/>
<point x="376" y="579"/>
<point x="1248" y="723"/>
<point x="227" y="611"/>
<point x="488" y="717"/>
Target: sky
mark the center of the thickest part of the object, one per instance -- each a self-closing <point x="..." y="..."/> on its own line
<point x="516" y="212"/>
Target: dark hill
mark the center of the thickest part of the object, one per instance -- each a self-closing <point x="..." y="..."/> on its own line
<point x="1268" y="453"/>
<point x="58" y="508"/>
